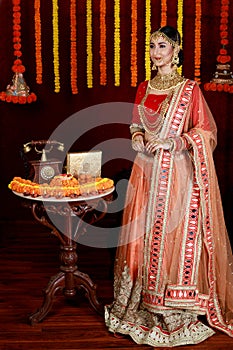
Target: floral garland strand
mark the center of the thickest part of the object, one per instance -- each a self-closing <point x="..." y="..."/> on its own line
<point x="133" y="67"/>
<point x="223" y="77"/>
<point x="103" y="59"/>
<point x="147" y="39"/>
<point x="180" y="24"/>
<point x="38" y="46"/>
<point x="18" y="91"/>
<point x="197" y="51"/>
<point x="89" y="44"/>
<point x="56" y="47"/>
<point x="73" y="47"/>
<point x="163" y="13"/>
<point x="117" y="41"/>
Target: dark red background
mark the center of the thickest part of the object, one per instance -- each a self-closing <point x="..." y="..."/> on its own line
<point x="22" y="123"/>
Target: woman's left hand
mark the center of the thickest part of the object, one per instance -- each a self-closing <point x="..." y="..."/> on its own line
<point x="153" y="145"/>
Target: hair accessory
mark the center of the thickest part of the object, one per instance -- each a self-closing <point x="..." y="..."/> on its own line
<point x="157" y="34"/>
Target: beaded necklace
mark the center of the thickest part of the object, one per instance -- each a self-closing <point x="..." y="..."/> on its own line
<point x="153" y="127"/>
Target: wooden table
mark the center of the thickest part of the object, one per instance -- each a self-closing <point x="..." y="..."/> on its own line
<point x="75" y="214"/>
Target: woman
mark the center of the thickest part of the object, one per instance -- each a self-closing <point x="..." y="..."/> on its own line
<point x="174" y="260"/>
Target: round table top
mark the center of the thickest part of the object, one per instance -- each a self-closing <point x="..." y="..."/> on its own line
<point x="67" y="199"/>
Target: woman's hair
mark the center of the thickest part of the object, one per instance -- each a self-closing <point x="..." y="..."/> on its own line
<point x="174" y="35"/>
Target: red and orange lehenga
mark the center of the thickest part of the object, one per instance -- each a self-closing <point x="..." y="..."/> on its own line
<point x="174" y="259"/>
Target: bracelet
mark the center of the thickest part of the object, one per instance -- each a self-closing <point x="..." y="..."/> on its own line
<point x="137" y="133"/>
<point x="135" y="127"/>
<point x="173" y="144"/>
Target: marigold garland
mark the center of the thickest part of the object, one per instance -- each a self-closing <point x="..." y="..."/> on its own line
<point x="223" y="57"/>
<point x="73" y="47"/>
<point x="18" y="91"/>
<point x="180" y="24"/>
<point x="38" y="46"/>
<point x="56" y="47"/>
<point x="197" y="51"/>
<point x="147" y="38"/>
<point x="89" y="44"/>
<point x="163" y="13"/>
<point x="117" y="41"/>
<point x="222" y="83"/>
<point x="103" y="59"/>
<point x="133" y="66"/>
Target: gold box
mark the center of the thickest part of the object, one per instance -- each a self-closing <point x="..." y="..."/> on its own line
<point x="84" y="162"/>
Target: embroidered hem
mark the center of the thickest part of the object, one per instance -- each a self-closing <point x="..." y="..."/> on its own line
<point x="194" y="333"/>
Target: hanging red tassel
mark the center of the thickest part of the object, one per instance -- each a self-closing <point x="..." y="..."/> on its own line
<point x="17" y="91"/>
<point x="223" y="77"/>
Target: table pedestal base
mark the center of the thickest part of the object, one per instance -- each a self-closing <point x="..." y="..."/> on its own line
<point x="69" y="280"/>
<point x="58" y="283"/>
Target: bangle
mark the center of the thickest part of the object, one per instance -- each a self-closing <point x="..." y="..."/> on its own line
<point x="135" y="127"/>
<point x="137" y="133"/>
<point x="173" y="144"/>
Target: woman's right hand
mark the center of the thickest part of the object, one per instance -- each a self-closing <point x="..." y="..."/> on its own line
<point x="138" y="143"/>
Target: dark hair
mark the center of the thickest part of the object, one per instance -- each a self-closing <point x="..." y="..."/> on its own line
<point x="174" y="35"/>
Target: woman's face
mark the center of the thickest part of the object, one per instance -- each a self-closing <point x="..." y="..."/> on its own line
<point x="161" y="52"/>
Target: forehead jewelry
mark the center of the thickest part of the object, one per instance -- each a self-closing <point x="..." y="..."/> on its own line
<point x="158" y="34"/>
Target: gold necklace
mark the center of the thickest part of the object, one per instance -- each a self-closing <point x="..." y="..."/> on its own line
<point x="153" y="127"/>
<point x="166" y="82"/>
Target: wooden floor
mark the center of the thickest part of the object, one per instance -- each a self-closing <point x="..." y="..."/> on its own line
<point x="29" y="257"/>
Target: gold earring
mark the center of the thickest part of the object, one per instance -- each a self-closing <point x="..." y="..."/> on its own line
<point x="175" y="59"/>
<point x="154" y="67"/>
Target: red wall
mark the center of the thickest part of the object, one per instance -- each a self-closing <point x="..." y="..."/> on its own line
<point x="22" y="123"/>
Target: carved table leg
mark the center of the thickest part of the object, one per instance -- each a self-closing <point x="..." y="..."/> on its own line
<point x="84" y="281"/>
<point x="56" y="283"/>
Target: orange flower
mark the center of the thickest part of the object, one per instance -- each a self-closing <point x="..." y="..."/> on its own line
<point x="224" y="14"/>
<point x="2" y="96"/>
<point x="219" y="87"/>
<point x="16" y="40"/>
<point x="17" y="46"/>
<point x="213" y="86"/>
<point x="224" y="20"/>
<point x="226" y="87"/>
<point x="18" y="53"/>
<point x="223" y="51"/>
<point x="16" y="33"/>
<point x="14" y="99"/>
<point x="225" y="8"/>
<point x="22" y="99"/>
<point x="8" y="98"/>
<point x="223" y="58"/>
<point x="18" y="68"/>
<point x="16" y="27"/>
<point x="224" y="34"/>
<point x="16" y="8"/>
<point x="223" y="27"/>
